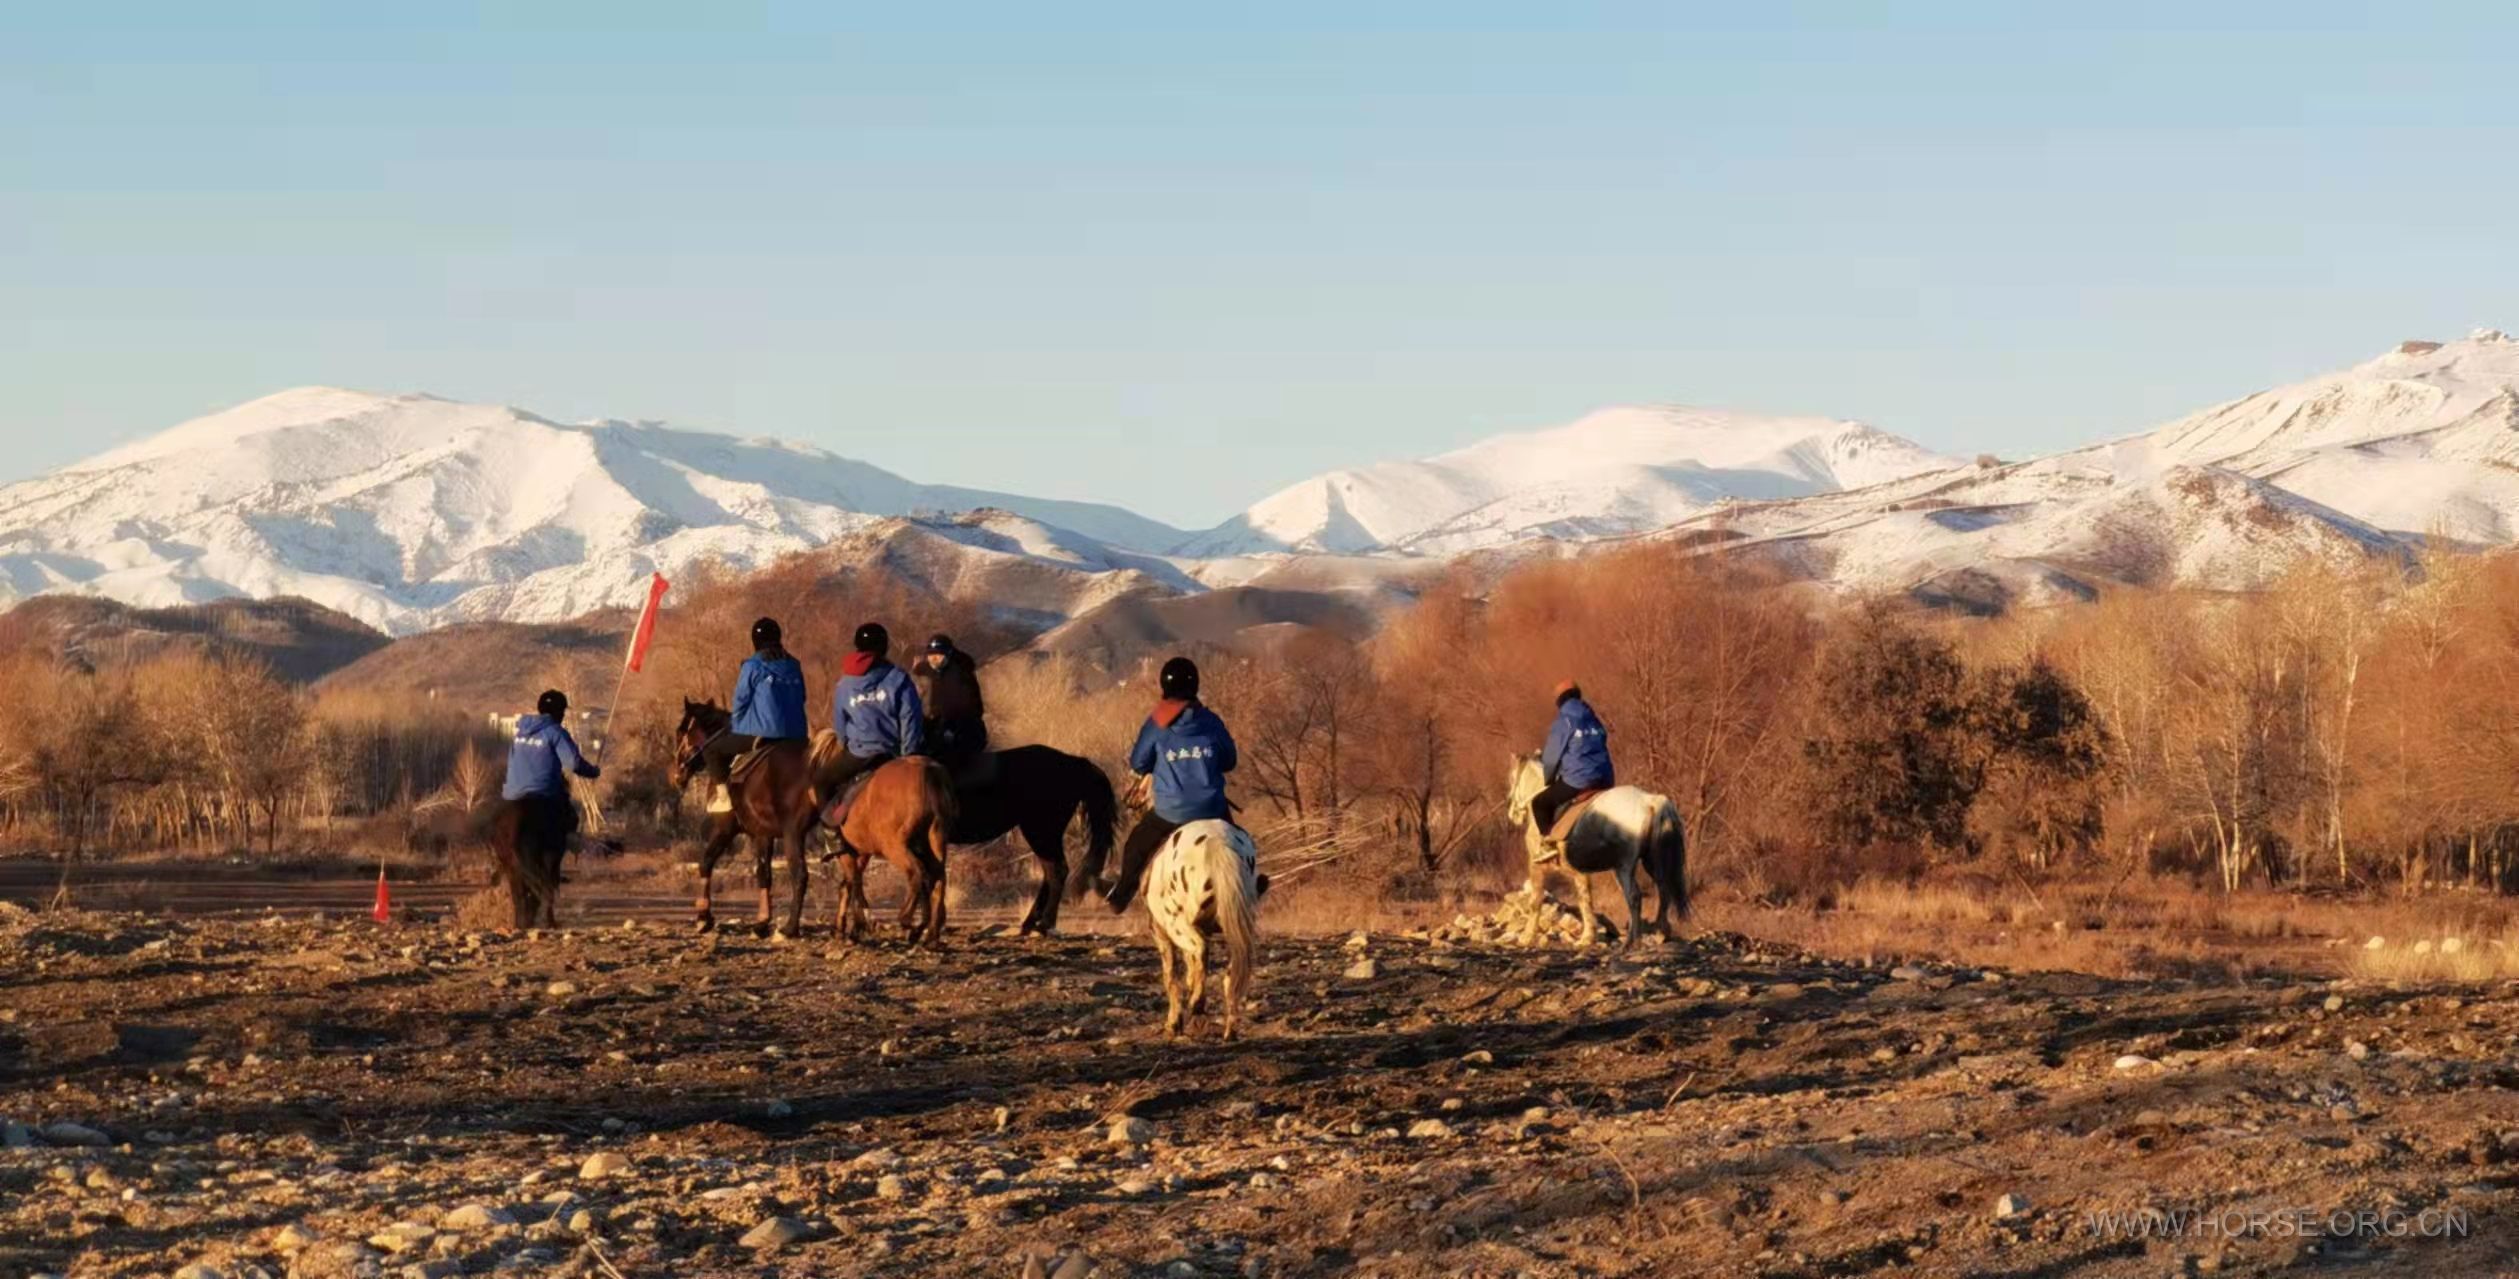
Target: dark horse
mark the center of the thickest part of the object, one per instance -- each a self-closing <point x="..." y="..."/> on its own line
<point x="529" y="865"/>
<point x="774" y="804"/>
<point x="528" y="862"/>
<point x="1038" y="790"/>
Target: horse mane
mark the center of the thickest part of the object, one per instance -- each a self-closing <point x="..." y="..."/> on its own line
<point x="708" y="716"/>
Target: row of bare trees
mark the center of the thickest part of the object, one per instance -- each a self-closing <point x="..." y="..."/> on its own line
<point x="187" y="750"/>
<point x="2341" y="728"/>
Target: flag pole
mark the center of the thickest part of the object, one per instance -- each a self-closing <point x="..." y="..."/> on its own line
<point x="640" y="634"/>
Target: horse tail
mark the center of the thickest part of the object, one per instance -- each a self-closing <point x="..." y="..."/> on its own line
<point x="941" y="811"/>
<point x="1101" y="819"/>
<point x="1667" y="860"/>
<point x="1237" y="905"/>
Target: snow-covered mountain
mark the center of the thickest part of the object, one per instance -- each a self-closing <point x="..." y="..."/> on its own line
<point x="2423" y="440"/>
<point x="409" y="511"/>
<point x="1615" y="472"/>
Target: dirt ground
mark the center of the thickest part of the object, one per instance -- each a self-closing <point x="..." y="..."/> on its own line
<point x="297" y="1096"/>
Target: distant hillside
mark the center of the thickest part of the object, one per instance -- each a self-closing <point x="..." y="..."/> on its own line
<point x="493" y="666"/>
<point x="1120" y="633"/>
<point x="301" y="640"/>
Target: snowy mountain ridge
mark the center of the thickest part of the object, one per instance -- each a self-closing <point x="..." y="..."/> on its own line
<point x="411" y="511"/>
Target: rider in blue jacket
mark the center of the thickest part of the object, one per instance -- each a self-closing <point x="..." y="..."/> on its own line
<point x="1184" y="749"/>
<point x="539" y="762"/>
<point x="875" y="708"/>
<point x="1576" y="758"/>
<point x="769" y="702"/>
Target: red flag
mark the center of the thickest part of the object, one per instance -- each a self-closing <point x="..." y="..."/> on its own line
<point x="384" y="912"/>
<point x="646" y="632"/>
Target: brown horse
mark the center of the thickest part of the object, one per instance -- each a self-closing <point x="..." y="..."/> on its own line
<point x="775" y="803"/>
<point x="903" y="812"/>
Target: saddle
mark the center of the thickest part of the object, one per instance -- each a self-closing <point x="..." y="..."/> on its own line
<point x="721" y="799"/>
<point x="836" y="811"/>
<point x="1569" y="815"/>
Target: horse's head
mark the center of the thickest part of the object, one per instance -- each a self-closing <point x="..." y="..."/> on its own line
<point x="700" y="722"/>
<point x="1522" y="784"/>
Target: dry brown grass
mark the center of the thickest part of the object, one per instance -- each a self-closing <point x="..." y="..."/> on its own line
<point x="2145" y="928"/>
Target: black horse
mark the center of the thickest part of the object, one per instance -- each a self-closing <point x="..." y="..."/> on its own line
<point x="1038" y="790"/>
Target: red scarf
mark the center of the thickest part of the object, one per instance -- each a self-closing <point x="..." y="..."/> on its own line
<point x="1169" y="709"/>
<point x="858" y="663"/>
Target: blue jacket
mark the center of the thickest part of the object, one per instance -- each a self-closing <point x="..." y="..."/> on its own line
<point x="1186" y="749"/>
<point x="542" y="757"/>
<point x="1578" y="748"/>
<point x="877" y="712"/>
<point x="770" y="698"/>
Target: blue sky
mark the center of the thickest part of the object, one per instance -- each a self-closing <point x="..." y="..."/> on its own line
<point x="1177" y="259"/>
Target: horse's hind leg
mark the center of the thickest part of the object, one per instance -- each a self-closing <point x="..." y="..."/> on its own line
<point x="764" y="877"/>
<point x="1164" y="955"/>
<point x="796" y="873"/>
<point x="936" y="837"/>
<point x="1635" y="904"/>
<point x="1194" y="964"/>
<point x="1049" y="851"/>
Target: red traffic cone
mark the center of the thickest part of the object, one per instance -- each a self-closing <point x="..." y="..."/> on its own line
<point x="384" y="911"/>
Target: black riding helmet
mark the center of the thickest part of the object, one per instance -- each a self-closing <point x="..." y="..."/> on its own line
<point x="873" y="638"/>
<point x="553" y="703"/>
<point x="940" y="643"/>
<point x="765" y="633"/>
<point x="1180" y="679"/>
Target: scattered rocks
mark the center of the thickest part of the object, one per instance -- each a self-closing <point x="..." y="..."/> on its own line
<point x="475" y="1216"/>
<point x="16" y="1136"/>
<point x="602" y="1164"/>
<point x="2134" y="1061"/>
<point x="1518" y="913"/>
<point x="70" y="1134"/>
<point x="2011" y="1206"/>
<point x="780" y="1109"/>
<point x="402" y="1236"/>
<point x="776" y="1232"/>
<point x="1130" y="1130"/>
<point x="560" y="989"/>
<point x="292" y="1239"/>
<point x="199" y="1271"/>
<point x="1363" y="970"/>
<point x="1429" y="1129"/>
<point x="890" y="1186"/>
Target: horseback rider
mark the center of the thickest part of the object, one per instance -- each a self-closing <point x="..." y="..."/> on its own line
<point x="768" y="706"/>
<point x="1186" y="752"/>
<point x="1576" y="758"/>
<point x="875" y="708"/>
<point x="539" y="763"/>
<point x="957" y="732"/>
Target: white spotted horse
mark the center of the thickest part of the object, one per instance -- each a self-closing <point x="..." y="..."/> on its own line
<point x="1612" y="831"/>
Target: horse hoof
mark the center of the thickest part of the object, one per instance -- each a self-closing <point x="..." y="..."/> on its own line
<point x="782" y="937"/>
<point x="761" y="928"/>
<point x="703" y="924"/>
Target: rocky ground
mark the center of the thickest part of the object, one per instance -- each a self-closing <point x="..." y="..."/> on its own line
<point x="298" y="1097"/>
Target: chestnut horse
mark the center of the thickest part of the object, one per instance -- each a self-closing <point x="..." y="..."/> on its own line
<point x="775" y="803"/>
<point x="903" y="812"/>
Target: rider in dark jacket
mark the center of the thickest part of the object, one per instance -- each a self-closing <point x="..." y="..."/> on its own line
<point x="539" y="763"/>
<point x="957" y="727"/>
<point x="769" y="702"/>
<point x="1185" y="751"/>
<point x="1576" y="758"/>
